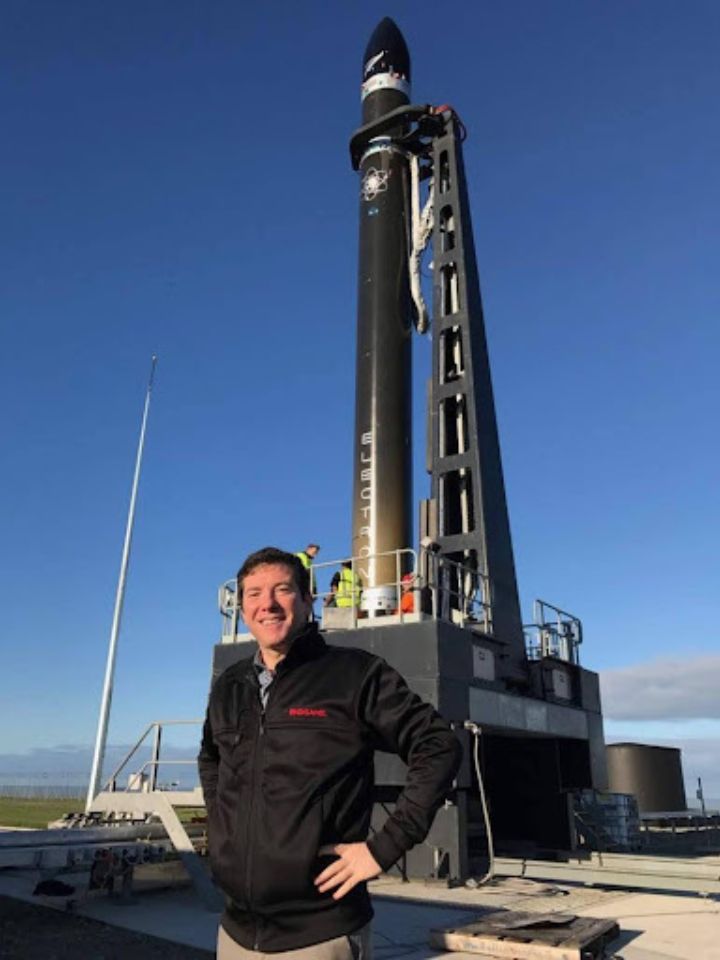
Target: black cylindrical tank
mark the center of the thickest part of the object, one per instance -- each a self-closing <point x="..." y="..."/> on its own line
<point x="653" y="774"/>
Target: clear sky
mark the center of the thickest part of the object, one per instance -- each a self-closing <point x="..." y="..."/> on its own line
<point x="176" y="180"/>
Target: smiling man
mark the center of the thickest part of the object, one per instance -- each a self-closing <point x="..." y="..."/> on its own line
<point x="286" y="765"/>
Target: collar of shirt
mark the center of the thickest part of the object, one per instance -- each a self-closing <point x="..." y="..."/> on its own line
<point x="265" y="677"/>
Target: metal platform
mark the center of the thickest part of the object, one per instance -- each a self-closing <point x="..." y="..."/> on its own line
<point x="124" y="827"/>
<point x="59" y="848"/>
<point x="538" y="742"/>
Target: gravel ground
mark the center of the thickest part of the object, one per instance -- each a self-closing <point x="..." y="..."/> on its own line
<point x="30" y="932"/>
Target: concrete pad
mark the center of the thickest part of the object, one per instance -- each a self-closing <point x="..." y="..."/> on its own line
<point x="175" y="915"/>
<point x="681" y="928"/>
<point x="400" y="929"/>
<point x="653" y="926"/>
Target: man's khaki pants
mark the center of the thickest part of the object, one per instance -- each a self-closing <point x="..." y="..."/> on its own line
<point x="357" y="946"/>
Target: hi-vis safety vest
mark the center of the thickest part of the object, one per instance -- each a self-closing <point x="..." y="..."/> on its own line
<point x="349" y="589"/>
<point x="306" y="561"/>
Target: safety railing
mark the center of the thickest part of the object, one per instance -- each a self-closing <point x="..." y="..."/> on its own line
<point x="229" y="610"/>
<point x="146" y="776"/>
<point x="555" y="633"/>
<point x="459" y="593"/>
<point x="422" y="585"/>
<point x="357" y="596"/>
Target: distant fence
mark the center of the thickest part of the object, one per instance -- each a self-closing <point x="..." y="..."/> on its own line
<point x="68" y="786"/>
<point x="73" y="784"/>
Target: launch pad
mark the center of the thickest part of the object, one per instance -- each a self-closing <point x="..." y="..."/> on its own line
<point x="528" y="714"/>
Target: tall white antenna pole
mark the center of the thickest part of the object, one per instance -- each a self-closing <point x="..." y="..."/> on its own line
<point x="101" y="739"/>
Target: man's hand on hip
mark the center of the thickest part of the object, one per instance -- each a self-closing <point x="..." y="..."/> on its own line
<point x="354" y="864"/>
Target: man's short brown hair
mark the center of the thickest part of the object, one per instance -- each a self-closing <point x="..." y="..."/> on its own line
<point x="275" y="556"/>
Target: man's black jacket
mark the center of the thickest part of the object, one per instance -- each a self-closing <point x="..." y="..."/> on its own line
<point x="282" y="782"/>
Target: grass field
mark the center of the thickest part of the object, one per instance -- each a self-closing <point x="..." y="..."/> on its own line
<point x="34" y="811"/>
<point x="37" y="812"/>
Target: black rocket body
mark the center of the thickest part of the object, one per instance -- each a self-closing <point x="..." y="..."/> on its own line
<point x="382" y="478"/>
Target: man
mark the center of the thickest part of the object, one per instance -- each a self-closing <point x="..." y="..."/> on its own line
<point x="407" y="587"/>
<point x="286" y="766"/>
<point x="307" y="555"/>
<point x="306" y="558"/>
<point x="345" y="587"/>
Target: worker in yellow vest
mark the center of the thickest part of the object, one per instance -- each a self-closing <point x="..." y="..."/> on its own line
<point x="306" y="558"/>
<point x="348" y="591"/>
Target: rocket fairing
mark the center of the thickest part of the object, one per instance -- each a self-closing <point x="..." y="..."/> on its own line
<point x="382" y="478"/>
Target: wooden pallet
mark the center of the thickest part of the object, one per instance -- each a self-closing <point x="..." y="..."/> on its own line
<point x="529" y="936"/>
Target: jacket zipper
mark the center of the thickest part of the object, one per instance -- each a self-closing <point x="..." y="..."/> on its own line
<point x="251" y="832"/>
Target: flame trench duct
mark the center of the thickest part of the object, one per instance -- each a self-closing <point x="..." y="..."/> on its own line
<point x="382" y="469"/>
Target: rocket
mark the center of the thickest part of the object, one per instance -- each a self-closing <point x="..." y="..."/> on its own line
<point x="382" y="462"/>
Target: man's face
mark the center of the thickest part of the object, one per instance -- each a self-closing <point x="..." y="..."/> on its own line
<point x="312" y="552"/>
<point x="273" y="607"/>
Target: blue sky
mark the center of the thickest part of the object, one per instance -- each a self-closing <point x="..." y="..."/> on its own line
<point x="176" y="180"/>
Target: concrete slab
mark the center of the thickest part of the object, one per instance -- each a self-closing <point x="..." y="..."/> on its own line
<point x="654" y="926"/>
<point x="176" y="915"/>
<point x="667" y="926"/>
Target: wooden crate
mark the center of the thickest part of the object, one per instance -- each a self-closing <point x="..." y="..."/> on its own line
<point x="513" y="935"/>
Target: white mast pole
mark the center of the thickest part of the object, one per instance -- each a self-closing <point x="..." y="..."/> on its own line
<point x="101" y="739"/>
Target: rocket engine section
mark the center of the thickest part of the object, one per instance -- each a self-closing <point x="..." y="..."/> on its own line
<point x="382" y="479"/>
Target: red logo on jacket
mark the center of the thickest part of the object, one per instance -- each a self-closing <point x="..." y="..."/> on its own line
<point x="307" y="712"/>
